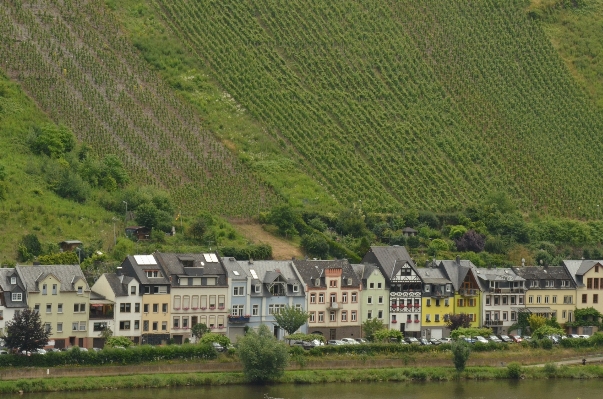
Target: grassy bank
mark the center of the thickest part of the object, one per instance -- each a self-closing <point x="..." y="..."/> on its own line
<point x="420" y="374"/>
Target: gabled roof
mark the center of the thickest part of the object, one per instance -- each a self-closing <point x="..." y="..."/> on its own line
<point x="118" y="284"/>
<point x="542" y="272"/>
<point x="7" y="288"/>
<point x="389" y="259"/>
<point x="364" y="271"/>
<point x="587" y="265"/>
<point x="310" y="270"/>
<point x="67" y="275"/>
<point x="202" y="265"/>
<point x="458" y="269"/>
<point x="433" y="275"/>
<point x="499" y="274"/>
<point x="138" y="271"/>
<point x="267" y="271"/>
<point x="234" y="269"/>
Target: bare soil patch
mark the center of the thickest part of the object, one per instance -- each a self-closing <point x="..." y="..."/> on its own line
<point x="254" y="232"/>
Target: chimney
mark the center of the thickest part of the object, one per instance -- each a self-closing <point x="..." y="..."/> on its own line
<point x="426" y="265"/>
<point x="523" y="262"/>
<point x="119" y="271"/>
<point x="458" y="260"/>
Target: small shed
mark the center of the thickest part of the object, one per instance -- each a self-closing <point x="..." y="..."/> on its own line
<point x="409" y="232"/>
<point x="69" y="245"/>
<point x="140" y="232"/>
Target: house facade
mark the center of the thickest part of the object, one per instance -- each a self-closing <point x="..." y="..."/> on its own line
<point x="61" y="295"/>
<point x="13" y="296"/>
<point x="404" y="284"/>
<point x="504" y="292"/>
<point x="437" y="301"/>
<point x="550" y="292"/>
<point x="467" y="288"/>
<point x="198" y="292"/>
<point x="374" y="297"/>
<point x="332" y="292"/>
<point x="239" y="285"/>
<point x="587" y="275"/>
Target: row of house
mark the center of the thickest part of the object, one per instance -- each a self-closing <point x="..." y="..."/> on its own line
<point x="159" y="297"/>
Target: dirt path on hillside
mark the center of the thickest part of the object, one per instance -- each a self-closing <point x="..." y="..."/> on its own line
<point x="254" y="232"/>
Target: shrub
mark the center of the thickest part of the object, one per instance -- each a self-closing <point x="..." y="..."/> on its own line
<point x="460" y="354"/>
<point x="550" y="369"/>
<point x="546" y="343"/>
<point x="263" y="357"/>
<point x="514" y="370"/>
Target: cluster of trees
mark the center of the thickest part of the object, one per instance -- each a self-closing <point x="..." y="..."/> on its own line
<point x="49" y="253"/>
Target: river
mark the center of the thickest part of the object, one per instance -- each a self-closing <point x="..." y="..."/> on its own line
<point x="500" y="389"/>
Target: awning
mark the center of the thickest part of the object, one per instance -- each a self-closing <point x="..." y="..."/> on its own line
<point x="535" y="309"/>
<point x="100" y="302"/>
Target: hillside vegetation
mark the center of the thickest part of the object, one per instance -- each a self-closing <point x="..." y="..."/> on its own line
<point x="74" y="60"/>
<point x="424" y="104"/>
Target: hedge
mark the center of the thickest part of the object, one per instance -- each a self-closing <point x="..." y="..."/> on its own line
<point x="134" y="355"/>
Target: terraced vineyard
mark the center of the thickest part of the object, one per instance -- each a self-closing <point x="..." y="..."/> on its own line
<point x="428" y="104"/>
<point x="73" y="59"/>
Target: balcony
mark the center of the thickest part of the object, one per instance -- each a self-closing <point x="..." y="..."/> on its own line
<point x="238" y="319"/>
<point x="438" y="294"/>
<point x="334" y="306"/>
<point x="490" y="323"/>
<point x="469" y="292"/>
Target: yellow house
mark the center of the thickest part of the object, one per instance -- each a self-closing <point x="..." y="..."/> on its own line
<point x="437" y="301"/>
<point x="587" y="275"/>
<point x="551" y="291"/>
<point x="154" y="286"/>
<point x="467" y="289"/>
<point x="61" y="296"/>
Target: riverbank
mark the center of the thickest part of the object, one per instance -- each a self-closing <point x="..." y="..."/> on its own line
<point x="404" y="374"/>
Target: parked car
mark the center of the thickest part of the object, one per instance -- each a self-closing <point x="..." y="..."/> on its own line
<point x="335" y="342"/>
<point x="516" y="338"/>
<point x="555" y="338"/>
<point x="349" y="341"/>
<point x="506" y="338"/>
<point x="3" y="352"/>
<point x="412" y="340"/>
<point x="96" y="349"/>
<point x="469" y="340"/>
<point x="584" y="336"/>
<point x="361" y="341"/>
<point x="573" y="336"/>
<point x="218" y="347"/>
<point x="423" y="341"/>
<point x="494" y="338"/>
<point x="435" y="341"/>
<point x="446" y="340"/>
<point x="479" y="338"/>
<point x="526" y="338"/>
<point x="53" y="350"/>
<point x="312" y="344"/>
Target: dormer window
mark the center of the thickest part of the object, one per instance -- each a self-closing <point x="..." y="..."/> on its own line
<point x="133" y="290"/>
<point x="153" y="273"/>
<point x="448" y="287"/>
<point x="13" y="280"/>
<point x="258" y="288"/>
<point x="80" y="290"/>
<point x="295" y="288"/>
<point x="427" y="287"/>
<point x="17" y="297"/>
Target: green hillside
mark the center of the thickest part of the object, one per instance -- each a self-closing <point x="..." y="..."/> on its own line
<point x="425" y="104"/>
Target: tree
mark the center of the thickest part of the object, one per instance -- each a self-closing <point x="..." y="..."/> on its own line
<point x="124" y="342"/>
<point x="285" y="218"/>
<point x="471" y="241"/>
<point x="263" y="357"/>
<point x="545" y="331"/>
<point x="471" y="332"/>
<point x="25" y="331"/>
<point x="197" y="229"/>
<point x="386" y="335"/>
<point x="370" y="327"/>
<point x="460" y="354"/>
<point x="315" y="244"/>
<point x="208" y="338"/>
<point x="456" y="321"/>
<point x="436" y="246"/>
<point x="31" y="242"/>
<point x="536" y="322"/>
<point x="199" y="330"/>
<point x="291" y="319"/>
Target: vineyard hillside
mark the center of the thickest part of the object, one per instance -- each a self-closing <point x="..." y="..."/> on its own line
<point x="397" y="104"/>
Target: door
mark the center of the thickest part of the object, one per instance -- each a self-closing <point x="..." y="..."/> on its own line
<point x="275" y="331"/>
<point x="436" y="333"/>
<point x="332" y="334"/>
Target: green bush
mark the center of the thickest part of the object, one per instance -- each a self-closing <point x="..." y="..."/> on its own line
<point x="514" y="371"/>
<point x="550" y="369"/>
<point x="546" y="343"/>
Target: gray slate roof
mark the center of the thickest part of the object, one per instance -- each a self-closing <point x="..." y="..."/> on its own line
<point x="389" y="259"/>
<point x="433" y="275"/>
<point x="231" y="265"/>
<point x="66" y="274"/>
<point x="499" y="274"/>
<point x="140" y="272"/>
<point x="173" y="265"/>
<point x="310" y="270"/>
<point x="118" y="284"/>
<point x="8" y="288"/>
<point x="268" y="270"/>
<point x="542" y="272"/>
<point x="364" y="271"/>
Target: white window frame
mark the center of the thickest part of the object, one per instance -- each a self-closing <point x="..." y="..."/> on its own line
<point x="17" y="296"/>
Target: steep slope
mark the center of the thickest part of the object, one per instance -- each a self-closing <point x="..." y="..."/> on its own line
<point x="424" y="104"/>
<point x="75" y="62"/>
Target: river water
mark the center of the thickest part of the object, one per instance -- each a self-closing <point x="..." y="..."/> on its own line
<point x="500" y="389"/>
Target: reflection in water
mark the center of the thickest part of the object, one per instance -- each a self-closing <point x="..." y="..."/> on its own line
<point x="553" y="389"/>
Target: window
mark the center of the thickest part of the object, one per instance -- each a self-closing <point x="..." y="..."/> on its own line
<point x="371" y="285"/>
<point x="448" y="287"/>
<point x="380" y="300"/>
<point x="176" y="323"/>
<point x="275" y="309"/>
<point x="221" y="301"/>
<point x="333" y="283"/>
<point x="569" y="316"/>
<point x="427" y="287"/>
<point x="80" y="290"/>
<point x="344" y="315"/>
<point x="354" y="297"/>
<point x="513" y="316"/>
<point x="554" y="299"/>
<point x="54" y="289"/>
<point x="59" y="327"/>
<point x="312" y="316"/>
<point x="163" y="325"/>
<point x="437" y="318"/>
<point x="82" y="326"/>
<point x="546" y="299"/>
<point x="164" y="308"/>
<point x="530" y="299"/>
<point x="488" y="300"/>
<point x="137" y="308"/>
<point x="321" y="298"/>
<point x="353" y="315"/>
<point x="369" y="300"/>
<point x="505" y="316"/>
<point x="156" y="325"/>
<point x="79" y="308"/>
<point x="380" y="314"/>
<point x="534" y="283"/>
<point x="145" y="307"/>
<point x="37" y="308"/>
<point x="238" y="291"/>
<point x="446" y="302"/>
<point x="255" y="310"/>
<point x="295" y="288"/>
<point x="378" y="285"/>
<point x="428" y="302"/>
<point x="427" y="317"/>
<point x="321" y="317"/>
<point x="513" y="299"/>
<point x="147" y="289"/>
<point x="44" y="289"/>
<point x="258" y="288"/>
<point x="74" y="325"/>
<point x="369" y="314"/>
<point x="124" y="307"/>
<point x="539" y="299"/>
<point x="332" y="315"/>
<point x="589" y="283"/>
<point x="596" y="285"/>
<point x="49" y="308"/>
<point x="177" y="302"/>
<point x="564" y="314"/>
<point x="567" y="299"/>
<point x="237" y="310"/>
<point x="153" y="273"/>
<point x="505" y="300"/>
<point x="496" y="300"/>
<point x="408" y="318"/>
<point x="124" y="325"/>
<point x="133" y="290"/>
<point x="344" y="297"/>
<point x="137" y="324"/>
<point x="312" y="298"/>
<point x="565" y="283"/>
<point x="595" y="298"/>
<point x="155" y="308"/>
<point x="162" y="289"/>
<point x="99" y="326"/>
<point x="47" y="327"/>
<point x="333" y="298"/>
<point x="13" y="280"/>
<point x="145" y="325"/>
<point x="437" y="302"/>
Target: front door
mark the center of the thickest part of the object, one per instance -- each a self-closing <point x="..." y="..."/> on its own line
<point x="276" y="328"/>
<point x="332" y="334"/>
